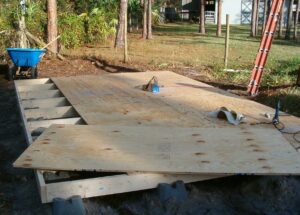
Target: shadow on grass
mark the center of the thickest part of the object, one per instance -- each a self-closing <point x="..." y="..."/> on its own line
<point x="110" y="68"/>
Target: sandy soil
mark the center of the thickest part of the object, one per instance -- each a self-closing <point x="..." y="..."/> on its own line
<point x="232" y="195"/>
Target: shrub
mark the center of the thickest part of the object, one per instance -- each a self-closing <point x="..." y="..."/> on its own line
<point x="72" y="30"/>
<point x="36" y="18"/>
<point x="99" y="28"/>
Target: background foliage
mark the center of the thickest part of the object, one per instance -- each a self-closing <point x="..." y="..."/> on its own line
<point x="80" y="21"/>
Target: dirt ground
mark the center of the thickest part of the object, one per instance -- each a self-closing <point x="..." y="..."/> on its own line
<point x="231" y="195"/>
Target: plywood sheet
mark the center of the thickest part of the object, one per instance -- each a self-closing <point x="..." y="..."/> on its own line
<point x="117" y="99"/>
<point x="231" y="150"/>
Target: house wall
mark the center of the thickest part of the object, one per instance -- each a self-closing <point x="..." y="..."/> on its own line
<point x="233" y="8"/>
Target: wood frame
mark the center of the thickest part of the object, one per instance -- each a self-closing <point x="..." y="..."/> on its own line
<point x="85" y="188"/>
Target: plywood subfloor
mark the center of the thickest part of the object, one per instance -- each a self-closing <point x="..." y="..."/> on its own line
<point x="231" y="150"/>
<point x="117" y="99"/>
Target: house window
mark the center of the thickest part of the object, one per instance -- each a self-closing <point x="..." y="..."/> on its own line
<point x="210" y="2"/>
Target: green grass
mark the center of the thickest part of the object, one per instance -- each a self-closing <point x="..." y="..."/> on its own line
<point x="281" y="67"/>
<point x="178" y="46"/>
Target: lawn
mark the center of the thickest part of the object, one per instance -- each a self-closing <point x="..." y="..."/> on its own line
<point x="178" y="46"/>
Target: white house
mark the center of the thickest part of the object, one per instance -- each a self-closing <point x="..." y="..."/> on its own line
<point x="239" y="10"/>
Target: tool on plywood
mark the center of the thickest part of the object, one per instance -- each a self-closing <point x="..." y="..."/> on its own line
<point x="276" y="116"/>
<point x="152" y="85"/>
<point x="265" y="47"/>
<point x="231" y="116"/>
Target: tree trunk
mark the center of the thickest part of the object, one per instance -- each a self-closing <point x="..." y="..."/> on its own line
<point x="254" y="18"/>
<point x="119" y="42"/>
<point x="281" y="21"/>
<point x="257" y="18"/>
<point x="145" y="6"/>
<point x="22" y="39"/>
<point x="290" y="21"/>
<point x="219" y="22"/>
<point x="202" y="17"/>
<point x="52" y="25"/>
<point x="296" y="20"/>
<point x="298" y="78"/>
<point x="149" y="24"/>
<point x="265" y="15"/>
<point x="125" y="39"/>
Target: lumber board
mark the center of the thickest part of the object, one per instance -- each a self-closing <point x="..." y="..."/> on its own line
<point x="124" y="183"/>
<point x="46" y="123"/>
<point x="43" y="94"/>
<point x="45" y="103"/>
<point x="50" y="113"/>
<point x="29" y="82"/>
<point x="231" y="150"/>
<point x="41" y="184"/>
<point x="36" y="87"/>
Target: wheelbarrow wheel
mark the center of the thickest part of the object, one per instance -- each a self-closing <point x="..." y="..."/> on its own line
<point x="11" y="72"/>
<point x="34" y="73"/>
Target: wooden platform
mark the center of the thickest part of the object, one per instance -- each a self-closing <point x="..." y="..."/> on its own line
<point x="117" y="99"/>
<point x="232" y="150"/>
<point x="36" y="118"/>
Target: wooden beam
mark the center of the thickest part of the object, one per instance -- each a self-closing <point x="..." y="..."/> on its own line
<point x="124" y="183"/>
<point x="50" y="113"/>
<point x="45" y="103"/>
<point x="19" y="83"/>
<point x="41" y="185"/>
<point x="44" y="94"/>
<point x="46" y="123"/>
<point x="36" y="87"/>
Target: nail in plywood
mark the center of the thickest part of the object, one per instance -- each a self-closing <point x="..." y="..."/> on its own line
<point x="165" y="150"/>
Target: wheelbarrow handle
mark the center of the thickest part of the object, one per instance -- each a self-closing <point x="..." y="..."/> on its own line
<point x="51" y="42"/>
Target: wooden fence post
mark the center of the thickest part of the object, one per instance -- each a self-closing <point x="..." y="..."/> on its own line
<point x="227" y="41"/>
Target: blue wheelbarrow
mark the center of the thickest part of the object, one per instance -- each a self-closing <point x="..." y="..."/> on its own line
<point x="25" y="62"/>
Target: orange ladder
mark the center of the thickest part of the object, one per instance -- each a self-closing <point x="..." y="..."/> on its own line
<point x="265" y="47"/>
